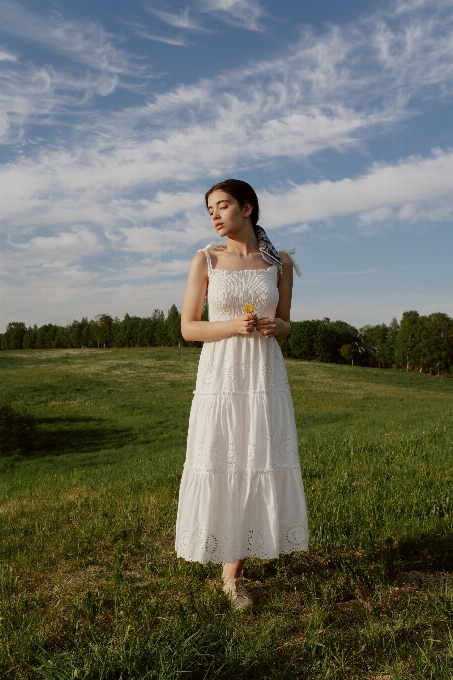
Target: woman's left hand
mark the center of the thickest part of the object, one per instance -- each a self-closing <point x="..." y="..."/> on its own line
<point x="268" y="326"/>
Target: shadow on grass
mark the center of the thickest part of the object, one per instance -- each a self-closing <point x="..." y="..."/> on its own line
<point x="428" y="552"/>
<point x="77" y="434"/>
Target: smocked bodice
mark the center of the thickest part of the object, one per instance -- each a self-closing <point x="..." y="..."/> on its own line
<point x="228" y="291"/>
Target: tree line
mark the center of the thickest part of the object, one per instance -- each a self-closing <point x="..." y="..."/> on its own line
<point x="102" y="331"/>
<point x="417" y="343"/>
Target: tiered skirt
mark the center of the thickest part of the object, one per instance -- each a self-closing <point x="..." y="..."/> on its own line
<point x="241" y="491"/>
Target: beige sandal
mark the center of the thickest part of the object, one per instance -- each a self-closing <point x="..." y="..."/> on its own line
<point x="239" y="596"/>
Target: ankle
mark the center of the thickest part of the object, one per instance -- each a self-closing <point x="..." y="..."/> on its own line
<point x="232" y="571"/>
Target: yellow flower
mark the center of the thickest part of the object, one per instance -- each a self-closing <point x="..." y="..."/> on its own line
<point x="248" y="307"/>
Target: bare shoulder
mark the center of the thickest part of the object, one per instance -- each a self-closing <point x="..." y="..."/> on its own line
<point x="286" y="260"/>
<point x="287" y="265"/>
<point x="199" y="263"/>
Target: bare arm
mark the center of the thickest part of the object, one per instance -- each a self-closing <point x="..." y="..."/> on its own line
<point x="279" y="327"/>
<point x="192" y="328"/>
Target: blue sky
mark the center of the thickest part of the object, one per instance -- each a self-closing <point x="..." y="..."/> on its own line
<point x="116" y="117"/>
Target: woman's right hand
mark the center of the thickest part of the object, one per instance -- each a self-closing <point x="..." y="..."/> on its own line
<point x="245" y="324"/>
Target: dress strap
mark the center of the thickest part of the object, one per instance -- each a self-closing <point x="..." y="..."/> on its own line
<point x="295" y="265"/>
<point x="205" y="250"/>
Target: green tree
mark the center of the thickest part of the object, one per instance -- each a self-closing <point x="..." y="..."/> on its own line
<point x="302" y="338"/>
<point x="46" y="336"/>
<point x="407" y="340"/>
<point x="135" y="327"/>
<point x="104" y="329"/>
<point x="324" y="344"/>
<point x="285" y="346"/>
<point x="75" y="333"/>
<point x="61" y="338"/>
<point x="13" y="337"/>
<point x="435" y="349"/>
<point x="30" y="337"/>
<point x="205" y="311"/>
<point x="116" y="332"/>
<point x="160" y="332"/>
<point x="386" y="352"/>
<point x="86" y="328"/>
<point x="173" y="327"/>
<point x="374" y="338"/>
<point x="126" y="331"/>
<point x="345" y="334"/>
<point x="348" y="352"/>
<point x="146" y="333"/>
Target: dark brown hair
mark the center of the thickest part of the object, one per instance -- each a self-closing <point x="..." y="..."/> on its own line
<point x="242" y="192"/>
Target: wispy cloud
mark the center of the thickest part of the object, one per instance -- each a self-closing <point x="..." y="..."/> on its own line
<point x="169" y="40"/>
<point x="312" y="98"/>
<point x="7" y="56"/>
<point x="181" y="20"/>
<point x="404" y="6"/>
<point x="241" y="13"/>
<point x="118" y="204"/>
<point x="83" y="42"/>
<point x="41" y="95"/>
<point x="32" y="94"/>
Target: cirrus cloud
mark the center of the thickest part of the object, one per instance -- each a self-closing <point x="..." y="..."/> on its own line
<point x="116" y="202"/>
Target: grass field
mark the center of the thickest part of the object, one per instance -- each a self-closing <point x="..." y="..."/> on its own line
<point x="89" y="583"/>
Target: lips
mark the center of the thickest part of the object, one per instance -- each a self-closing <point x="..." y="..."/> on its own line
<point x="219" y="226"/>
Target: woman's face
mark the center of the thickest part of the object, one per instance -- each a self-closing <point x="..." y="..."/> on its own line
<point x="226" y="214"/>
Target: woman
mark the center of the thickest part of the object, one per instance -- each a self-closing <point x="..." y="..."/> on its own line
<point x="241" y="491"/>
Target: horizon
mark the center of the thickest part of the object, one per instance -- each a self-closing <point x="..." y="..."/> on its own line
<point x="117" y="118"/>
<point x="117" y="319"/>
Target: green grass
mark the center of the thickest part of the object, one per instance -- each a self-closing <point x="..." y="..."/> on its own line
<point x="90" y="586"/>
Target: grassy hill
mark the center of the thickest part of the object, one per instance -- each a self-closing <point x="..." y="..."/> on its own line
<point x="89" y="583"/>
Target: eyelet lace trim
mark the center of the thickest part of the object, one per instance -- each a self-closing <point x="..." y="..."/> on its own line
<point x="204" y="547"/>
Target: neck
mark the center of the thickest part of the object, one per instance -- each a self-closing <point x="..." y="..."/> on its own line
<point x="243" y="242"/>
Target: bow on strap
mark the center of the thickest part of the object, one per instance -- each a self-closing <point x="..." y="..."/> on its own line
<point x="295" y="265"/>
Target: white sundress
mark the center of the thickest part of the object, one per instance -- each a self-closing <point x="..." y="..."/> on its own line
<point x="241" y="492"/>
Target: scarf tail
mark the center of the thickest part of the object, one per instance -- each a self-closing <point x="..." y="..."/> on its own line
<point x="268" y="251"/>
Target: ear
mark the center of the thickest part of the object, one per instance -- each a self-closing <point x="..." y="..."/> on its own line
<point x="248" y="209"/>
